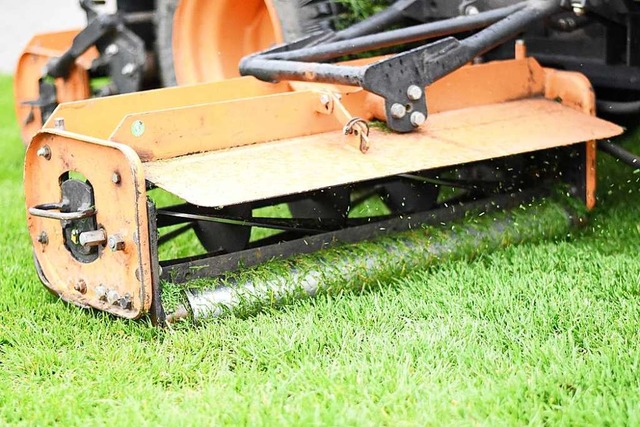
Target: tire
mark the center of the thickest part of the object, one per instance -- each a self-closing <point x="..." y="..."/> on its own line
<point x="298" y="18"/>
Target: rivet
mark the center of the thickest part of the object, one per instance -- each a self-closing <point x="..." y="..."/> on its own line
<point x="137" y="128"/>
<point x="115" y="178"/>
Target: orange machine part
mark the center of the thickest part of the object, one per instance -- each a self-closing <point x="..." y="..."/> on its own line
<point x="210" y="37"/>
<point x="116" y="176"/>
<point x="40" y="49"/>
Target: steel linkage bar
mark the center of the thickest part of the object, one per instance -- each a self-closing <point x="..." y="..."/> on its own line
<point x="400" y="79"/>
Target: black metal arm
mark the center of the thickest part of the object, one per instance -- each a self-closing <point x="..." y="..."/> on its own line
<point x="420" y="67"/>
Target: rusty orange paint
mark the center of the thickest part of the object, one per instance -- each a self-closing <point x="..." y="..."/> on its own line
<point x="121" y="209"/>
<point x="40" y="49"/>
<point x="211" y="37"/>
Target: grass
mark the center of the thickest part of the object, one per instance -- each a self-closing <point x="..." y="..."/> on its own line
<point x="537" y="334"/>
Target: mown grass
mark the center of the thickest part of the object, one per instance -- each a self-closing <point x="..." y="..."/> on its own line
<point x="537" y="334"/>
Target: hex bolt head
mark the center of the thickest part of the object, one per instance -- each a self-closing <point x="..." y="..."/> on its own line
<point x="414" y="92"/>
<point x="43" y="238"/>
<point x="116" y="243"/>
<point x="398" y="111"/>
<point x="112" y="49"/>
<point x="418" y="118"/>
<point x="58" y="123"/>
<point x="75" y="234"/>
<point x="44" y="152"/>
<point x="325" y="100"/>
<point x="101" y="292"/>
<point x="112" y="297"/>
<point x="128" y="69"/>
<point x="81" y="286"/>
<point x="116" y="178"/>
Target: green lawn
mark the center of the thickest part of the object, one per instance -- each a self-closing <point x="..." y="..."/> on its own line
<point x="535" y="334"/>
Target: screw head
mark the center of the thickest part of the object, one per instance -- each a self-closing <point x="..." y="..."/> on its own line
<point x="414" y="92"/>
<point x="44" y="152"/>
<point x="116" y="178"/>
<point x="398" y="111"/>
<point x="417" y="118"/>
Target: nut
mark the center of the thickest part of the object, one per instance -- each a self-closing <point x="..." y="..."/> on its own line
<point x="414" y="92"/>
<point x="325" y="100"/>
<point x="398" y="111"/>
<point x="112" y="297"/>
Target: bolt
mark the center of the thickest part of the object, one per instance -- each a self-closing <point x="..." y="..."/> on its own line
<point x="75" y="236"/>
<point x="81" y="286"/>
<point x="101" y="292"/>
<point x="471" y="10"/>
<point x="398" y="111"/>
<point x="58" y="123"/>
<point x="112" y="297"/>
<point x="116" y="243"/>
<point x="128" y="69"/>
<point x="43" y="238"/>
<point x="44" y="152"/>
<point x="325" y="100"/>
<point x="414" y="92"/>
<point x="115" y="178"/>
<point x="417" y="118"/>
<point x="93" y="238"/>
<point x="111" y="50"/>
<point x="579" y="10"/>
<point x="125" y="302"/>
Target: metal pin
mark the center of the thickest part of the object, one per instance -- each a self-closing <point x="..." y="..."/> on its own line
<point x="93" y="238"/>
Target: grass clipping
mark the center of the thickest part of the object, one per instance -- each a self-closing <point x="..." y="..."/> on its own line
<point x="366" y="265"/>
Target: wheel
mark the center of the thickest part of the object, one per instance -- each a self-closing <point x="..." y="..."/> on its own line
<point x="406" y="196"/>
<point x="204" y="40"/>
<point x="217" y="237"/>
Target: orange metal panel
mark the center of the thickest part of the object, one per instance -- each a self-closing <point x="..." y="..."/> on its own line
<point x="302" y="164"/>
<point x="40" y="49"/>
<point x="175" y="132"/>
<point x="211" y="37"/>
<point x="99" y="117"/>
<point x="121" y="210"/>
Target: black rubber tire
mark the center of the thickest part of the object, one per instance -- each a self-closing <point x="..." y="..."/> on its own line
<point x="297" y="17"/>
